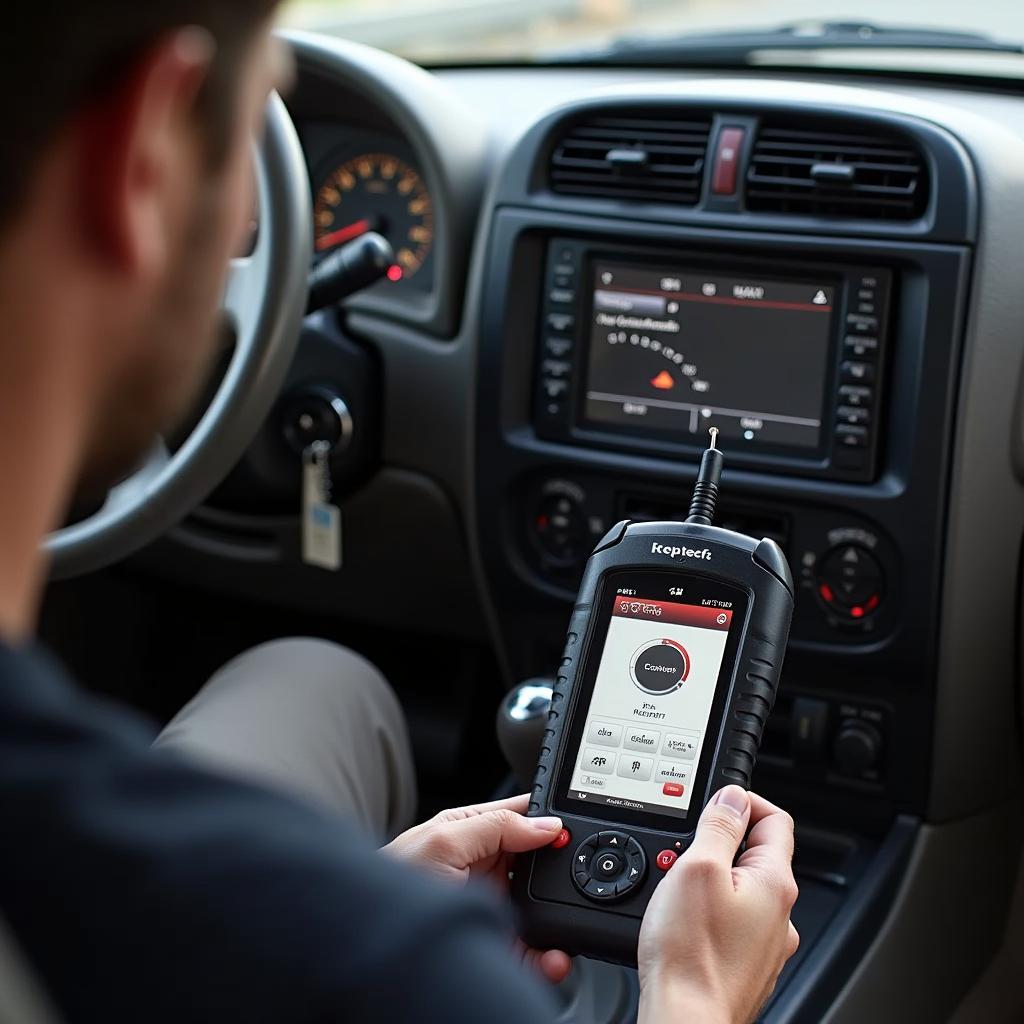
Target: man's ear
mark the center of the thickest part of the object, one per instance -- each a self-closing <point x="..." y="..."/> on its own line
<point x="140" y="147"/>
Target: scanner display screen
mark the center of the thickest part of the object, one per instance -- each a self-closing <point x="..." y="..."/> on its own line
<point x="645" y="722"/>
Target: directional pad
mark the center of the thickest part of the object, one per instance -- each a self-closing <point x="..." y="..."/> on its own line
<point x="608" y="865"/>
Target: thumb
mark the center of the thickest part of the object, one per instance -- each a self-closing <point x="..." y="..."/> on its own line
<point x="722" y="826"/>
<point x="485" y="835"/>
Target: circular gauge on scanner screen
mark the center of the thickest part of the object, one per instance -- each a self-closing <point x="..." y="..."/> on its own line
<point x="660" y="667"/>
<point x="376" y="192"/>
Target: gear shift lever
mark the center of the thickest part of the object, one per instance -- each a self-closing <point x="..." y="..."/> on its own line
<point x="522" y="719"/>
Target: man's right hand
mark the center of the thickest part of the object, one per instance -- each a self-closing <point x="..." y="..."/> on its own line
<point x="716" y="936"/>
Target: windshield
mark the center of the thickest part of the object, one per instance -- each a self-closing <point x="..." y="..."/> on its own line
<point x="458" y="31"/>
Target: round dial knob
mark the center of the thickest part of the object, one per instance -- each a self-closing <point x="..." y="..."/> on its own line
<point x="560" y="528"/>
<point x="851" y="581"/>
<point x="857" y="747"/>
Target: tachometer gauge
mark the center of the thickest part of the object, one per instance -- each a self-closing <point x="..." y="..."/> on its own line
<point x="377" y="192"/>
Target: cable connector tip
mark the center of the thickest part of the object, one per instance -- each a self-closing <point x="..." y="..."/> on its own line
<point x="705" y="491"/>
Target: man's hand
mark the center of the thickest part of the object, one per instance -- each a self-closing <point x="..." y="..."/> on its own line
<point x="480" y="841"/>
<point x="716" y="936"/>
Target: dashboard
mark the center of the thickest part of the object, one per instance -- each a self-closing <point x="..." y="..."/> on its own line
<point x="592" y="268"/>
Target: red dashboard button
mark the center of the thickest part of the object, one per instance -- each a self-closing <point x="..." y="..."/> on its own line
<point x="672" y="789"/>
<point x="564" y="838"/>
<point x="666" y="859"/>
<point x="727" y="161"/>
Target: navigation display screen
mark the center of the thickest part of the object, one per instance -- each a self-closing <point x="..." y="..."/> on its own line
<point x="675" y="351"/>
<point x="648" y="722"/>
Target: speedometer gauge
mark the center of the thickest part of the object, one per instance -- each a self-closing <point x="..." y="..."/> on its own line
<point x="377" y="192"/>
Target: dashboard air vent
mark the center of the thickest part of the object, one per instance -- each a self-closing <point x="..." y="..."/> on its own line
<point x="835" y="172"/>
<point x="650" y="156"/>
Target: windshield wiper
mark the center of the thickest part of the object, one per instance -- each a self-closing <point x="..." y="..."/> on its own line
<point x="739" y="47"/>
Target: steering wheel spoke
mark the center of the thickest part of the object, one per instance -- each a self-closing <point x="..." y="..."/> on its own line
<point x="246" y="279"/>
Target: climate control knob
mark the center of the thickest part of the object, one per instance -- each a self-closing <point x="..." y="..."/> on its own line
<point x="560" y="526"/>
<point x="850" y="581"/>
<point x="857" y="747"/>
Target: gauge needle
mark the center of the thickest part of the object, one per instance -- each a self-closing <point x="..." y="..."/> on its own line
<point x="345" y="234"/>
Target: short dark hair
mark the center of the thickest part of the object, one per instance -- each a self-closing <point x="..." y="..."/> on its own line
<point x="58" y="55"/>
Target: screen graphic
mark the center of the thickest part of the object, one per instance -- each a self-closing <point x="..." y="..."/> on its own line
<point x="678" y="352"/>
<point x="648" y="715"/>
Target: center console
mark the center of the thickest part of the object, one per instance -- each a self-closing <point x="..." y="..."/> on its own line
<point x="826" y="351"/>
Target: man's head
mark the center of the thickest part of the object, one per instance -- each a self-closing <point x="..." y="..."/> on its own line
<point x="124" y="188"/>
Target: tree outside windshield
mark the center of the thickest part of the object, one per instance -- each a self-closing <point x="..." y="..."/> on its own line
<point x="453" y="31"/>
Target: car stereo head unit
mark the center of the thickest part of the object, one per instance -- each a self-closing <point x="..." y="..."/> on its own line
<point x="643" y="350"/>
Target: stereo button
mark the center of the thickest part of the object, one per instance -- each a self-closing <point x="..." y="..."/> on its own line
<point x="854" y="416"/>
<point x="862" y="347"/>
<point x="856" y="394"/>
<point x="859" y="324"/>
<point x="557" y="347"/>
<point x="851" y="437"/>
<point x="556" y="367"/>
<point x="857" y="373"/>
<point x="561" y="321"/>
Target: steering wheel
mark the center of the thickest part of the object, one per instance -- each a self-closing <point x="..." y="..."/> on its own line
<point x="264" y="301"/>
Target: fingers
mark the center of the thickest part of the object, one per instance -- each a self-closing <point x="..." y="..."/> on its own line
<point x="472" y="840"/>
<point x="721" y="827"/>
<point x="552" y="963"/>
<point x="513" y="803"/>
<point x="769" y="852"/>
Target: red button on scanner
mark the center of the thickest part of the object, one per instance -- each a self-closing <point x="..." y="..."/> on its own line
<point x="672" y="789"/>
<point x="564" y="838"/>
<point x="666" y="859"/>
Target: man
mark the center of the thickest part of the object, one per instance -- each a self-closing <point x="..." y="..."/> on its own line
<point x="139" y="885"/>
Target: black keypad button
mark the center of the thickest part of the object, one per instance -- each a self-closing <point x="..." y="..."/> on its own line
<point x="600" y="890"/>
<point x="608" y="865"/>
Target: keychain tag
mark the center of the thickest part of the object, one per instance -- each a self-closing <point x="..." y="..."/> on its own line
<point x="321" y="521"/>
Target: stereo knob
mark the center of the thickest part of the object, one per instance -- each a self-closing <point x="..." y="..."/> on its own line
<point x="850" y="581"/>
<point x="857" y="747"/>
<point x="560" y="525"/>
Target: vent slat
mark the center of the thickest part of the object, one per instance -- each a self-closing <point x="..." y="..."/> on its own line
<point x="673" y="171"/>
<point x="888" y="178"/>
